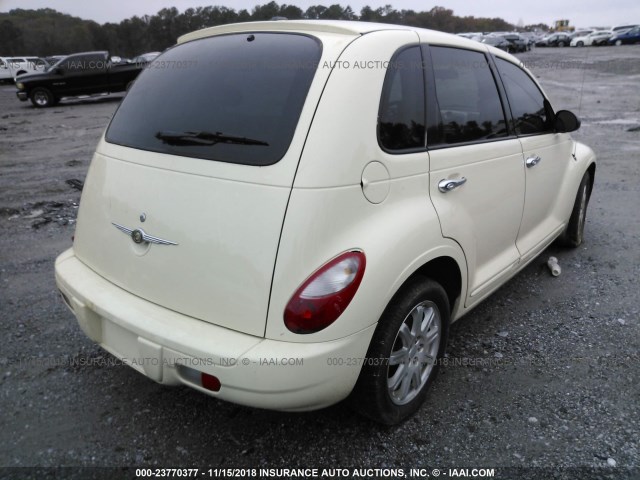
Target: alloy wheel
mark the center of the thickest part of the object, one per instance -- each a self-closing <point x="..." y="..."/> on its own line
<point x="414" y="353"/>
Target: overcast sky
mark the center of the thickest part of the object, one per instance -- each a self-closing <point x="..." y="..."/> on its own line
<point x="582" y="13"/>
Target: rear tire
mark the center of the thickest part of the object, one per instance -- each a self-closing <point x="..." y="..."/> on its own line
<point x="402" y="360"/>
<point x="574" y="233"/>
<point x="42" y="97"/>
<point x="580" y="44"/>
<point x="618" y="43"/>
<point x="561" y="44"/>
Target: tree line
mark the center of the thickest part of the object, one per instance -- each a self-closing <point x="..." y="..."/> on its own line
<point x="46" y="31"/>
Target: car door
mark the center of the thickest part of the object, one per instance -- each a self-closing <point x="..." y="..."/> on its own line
<point x="83" y="74"/>
<point x="476" y="173"/>
<point x="68" y="81"/>
<point x="633" y="36"/>
<point x="93" y="76"/>
<point x="547" y="157"/>
<point x="5" y="73"/>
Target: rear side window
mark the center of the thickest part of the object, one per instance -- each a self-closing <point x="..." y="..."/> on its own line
<point x="234" y="98"/>
<point x="84" y="64"/>
<point x="401" y="121"/>
<point x="469" y="106"/>
<point x="531" y="112"/>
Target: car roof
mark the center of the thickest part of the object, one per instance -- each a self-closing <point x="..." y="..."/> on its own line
<point x="340" y="27"/>
<point x="347" y="28"/>
<point x="95" y="52"/>
<point x="318" y="26"/>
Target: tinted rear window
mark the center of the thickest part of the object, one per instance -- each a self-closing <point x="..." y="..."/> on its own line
<point x="402" y="109"/>
<point x="223" y="93"/>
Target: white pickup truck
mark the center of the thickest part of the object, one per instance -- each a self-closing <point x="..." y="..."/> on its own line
<point x="12" y="67"/>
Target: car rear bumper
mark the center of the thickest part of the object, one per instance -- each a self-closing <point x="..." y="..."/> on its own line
<point x="22" y="96"/>
<point x="168" y="347"/>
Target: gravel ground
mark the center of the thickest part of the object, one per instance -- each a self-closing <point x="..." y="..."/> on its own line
<point x="551" y="380"/>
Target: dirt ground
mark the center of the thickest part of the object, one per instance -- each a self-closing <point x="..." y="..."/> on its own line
<point x="551" y="382"/>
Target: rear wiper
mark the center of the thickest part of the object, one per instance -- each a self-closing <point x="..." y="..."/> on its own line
<point x="205" y="138"/>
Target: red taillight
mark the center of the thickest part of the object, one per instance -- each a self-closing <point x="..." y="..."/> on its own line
<point x="326" y="294"/>
<point x="210" y="382"/>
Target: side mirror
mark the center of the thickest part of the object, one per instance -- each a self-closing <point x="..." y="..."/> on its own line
<point x="566" y="122"/>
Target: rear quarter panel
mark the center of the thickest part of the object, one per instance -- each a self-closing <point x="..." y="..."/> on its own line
<point x="328" y="213"/>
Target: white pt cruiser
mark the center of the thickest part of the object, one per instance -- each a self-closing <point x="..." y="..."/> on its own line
<point x="286" y="214"/>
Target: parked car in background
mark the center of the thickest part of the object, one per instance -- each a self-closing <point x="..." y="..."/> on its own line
<point x="476" y="36"/>
<point x="554" y="40"/>
<point x="588" y="40"/>
<point x="85" y="73"/>
<point x="623" y="28"/>
<point x="579" y="41"/>
<point x="626" y="37"/>
<point x="498" y="42"/>
<point x="17" y="66"/>
<point x="518" y="43"/>
<point x="579" y="33"/>
<point x="593" y="38"/>
<point x="116" y="60"/>
<point x="145" y="58"/>
<point x="531" y="38"/>
<point x="285" y="238"/>
<point x="602" y="37"/>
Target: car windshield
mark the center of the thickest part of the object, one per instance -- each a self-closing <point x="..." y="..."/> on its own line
<point x="231" y="98"/>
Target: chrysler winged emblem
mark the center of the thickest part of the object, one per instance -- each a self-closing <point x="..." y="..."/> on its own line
<point x="140" y="236"/>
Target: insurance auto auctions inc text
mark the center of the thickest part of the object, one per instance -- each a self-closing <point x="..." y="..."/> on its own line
<point x="358" y="473"/>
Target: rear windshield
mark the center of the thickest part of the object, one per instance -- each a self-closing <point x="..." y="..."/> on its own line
<point x="233" y="98"/>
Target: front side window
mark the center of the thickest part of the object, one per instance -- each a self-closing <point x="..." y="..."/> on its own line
<point x="231" y="98"/>
<point x="401" y="121"/>
<point x="469" y="106"/>
<point x="90" y="63"/>
<point x="531" y="112"/>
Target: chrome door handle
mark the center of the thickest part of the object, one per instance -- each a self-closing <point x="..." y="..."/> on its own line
<point x="447" y="185"/>
<point x="532" y="161"/>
